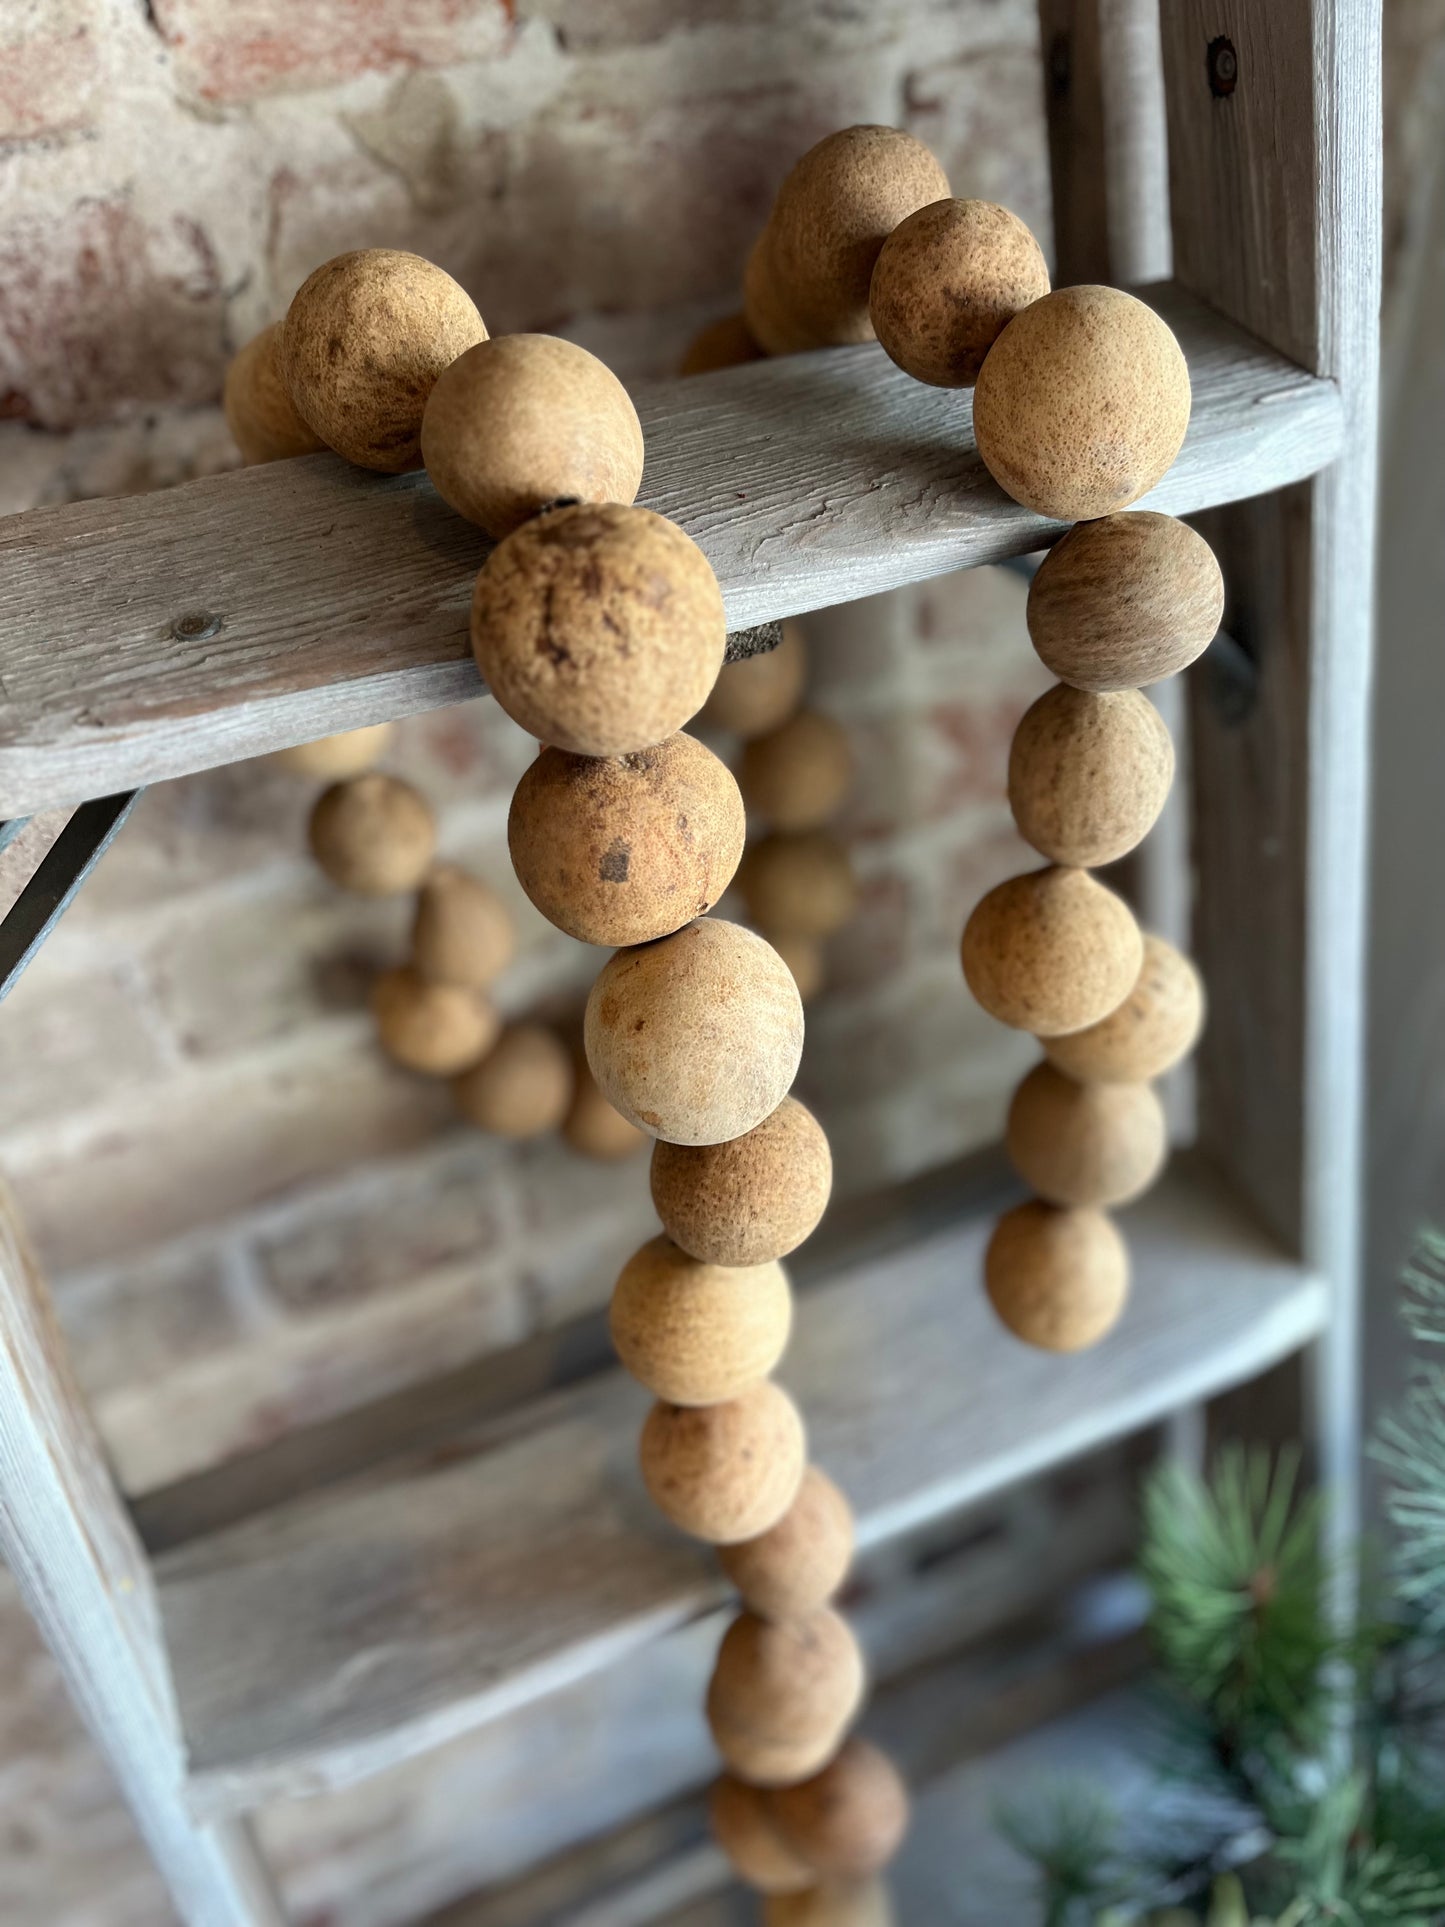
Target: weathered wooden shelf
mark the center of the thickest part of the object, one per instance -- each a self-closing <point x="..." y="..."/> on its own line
<point x="160" y="634"/>
<point x="355" y="1627"/>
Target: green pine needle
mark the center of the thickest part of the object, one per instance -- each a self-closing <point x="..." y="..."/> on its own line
<point x="1411" y="1445"/>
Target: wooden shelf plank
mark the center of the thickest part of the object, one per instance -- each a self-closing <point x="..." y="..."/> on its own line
<point x="344" y="1632"/>
<point x="160" y="634"/>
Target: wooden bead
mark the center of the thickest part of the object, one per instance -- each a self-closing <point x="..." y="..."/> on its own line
<point x="697" y="1038"/>
<point x="260" y="413"/>
<point x="1088" y="774"/>
<point x="592" y="1127"/>
<point x="798" y="774"/>
<point x="526" y="421"/>
<point x="436" y="1028"/>
<point x="462" y="932"/>
<point x="373" y="834"/>
<point x="1157" y="1024"/>
<point x="947" y="280"/>
<point x="1082" y="403"/>
<point x="599" y="629"/>
<point x="799" y="883"/>
<point x="783" y="1692"/>
<point x="849" y="1903"/>
<point x="364" y="340"/>
<point x="696" y="1334"/>
<point x="743" y="1828"/>
<point x="849" y="1820"/>
<point x="1125" y="601"/>
<point x="752" y="1198"/>
<point x="1072" y="1143"/>
<point x="804" y="957"/>
<point x="725" y="1472"/>
<point x="1057" y="1277"/>
<point x="521" y="1088"/>
<point x="622" y="850"/>
<point x="766" y="313"/>
<point x="333" y="757"/>
<point x="798" y="1565"/>
<point x="1051" y="951"/>
<point x="759" y="693"/>
<point x="721" y="344"/>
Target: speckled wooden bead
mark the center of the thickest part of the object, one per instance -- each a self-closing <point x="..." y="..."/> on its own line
<point x="521" y="1088"/>
<point x="599" y="629"/>
<point x="721" y="344"/>
<point x="333" y="757"/>
<point x="1088" y="774"/>
<point x="947" y="280"/>
<point x="1057" y="1277"/>
<point x="797" y="775"/>
<point x="759" y="693"/>
<point x="592" y="1127"/>
<point x="373" y="834"/>
<point x="804" y="957"/>
<point x="260" y="413"/>
<point x="517" y="424"/>
<point x="438" y="1029"/>
<point x="1082" y="403"/>
<point x="622" y="850"/>
<point x="849" y="1820"/>
<point x="462" y="932"/>
<point x="742" y="1827"/>
<point x="364" y="340"/>
<point x="797" y="1566"/>
<point x="1072" y="1143"/>
<point x="1125" y="601"/>
<point x="798" y="882"/>
<point x="751" y="1198"/>
<point x="767" y="315"/>
<point x="725" y="1472"/>
<point x="1157" y="1024"/>
<point x="696" y="1334"/>
<point x="1051" y="951"/>
<point x="842" y="1903"/>
<point x="697" y="1038"/>
<point x="783" y="1692"/>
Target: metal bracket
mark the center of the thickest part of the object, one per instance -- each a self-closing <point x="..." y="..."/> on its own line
<point x="57" y="880"/>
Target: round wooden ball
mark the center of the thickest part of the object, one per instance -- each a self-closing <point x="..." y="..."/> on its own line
<point x="947" y="281"/>
<point x="721" y="344"/>
<point x="260" y="413"/>
<point x="725" y="1472"/>
<point x="592" y="1127"/>
<point x="1082" y="403"/>
<point x="364" y="340"/>
<point x="521" y="1088"/>
<point x="697" y="1038"/>
<point x="804" y="957"/>
<point x="757" y="694"/>
<point x="1089" y="773"/>
<point x="797" y="1565"/>
<point x="751" y="1198"/>
<point x="462" y="932"/>
<point x="1125" y="601"/>
<point x="333" y="757"/>
<point x="526" y="421"/>
<point x="798" y="774"/>
<point x="798" y="882"/>
<point x="697" y="1334"/>
<point x="1051" y="951"/>
<point x="849" y="1820"/>
<point x="744" y="1830"/>
<point x="373" y="834"/>
<point x="834" y="1903"/>
<point x="1057" y="1276"/>
<point x="1157" y="1024"/>
<point x="1074" y="1143"/>
<point x="436" y="1028"/>
<point x="621" y="850"/>
<point x="600" y="628"/>
<point x="783" y="1692"/>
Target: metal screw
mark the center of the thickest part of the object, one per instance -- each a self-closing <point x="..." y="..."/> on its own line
<point x="195" y="627"/>
<point x="1223" y="64"/>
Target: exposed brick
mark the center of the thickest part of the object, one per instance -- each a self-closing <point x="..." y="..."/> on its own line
<point x="68" y="1039"/>
<point x="50" y="66"/>
<point x="135" y="1326"/>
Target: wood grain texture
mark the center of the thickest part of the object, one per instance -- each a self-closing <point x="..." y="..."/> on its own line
<point x="152" y="636"/>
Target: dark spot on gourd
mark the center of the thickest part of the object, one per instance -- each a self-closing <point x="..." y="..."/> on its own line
<point x="616" y="860"/>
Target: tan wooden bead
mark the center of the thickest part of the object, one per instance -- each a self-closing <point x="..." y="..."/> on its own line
<point x="851" y="1903"/>
<point x="725" y="1472"/>
<point x="799" y="883"/>
<point x="757" y="694"/>
<point x="742" y="1827"/>
<point x="1072" y="1143"/>
<point x="797" y="1566"/>
<point x="697" y="1334"/>
<point x="364" y="340"/>
<point x="373" y="834"/>
<point x="526" y="421"/>
<point x="1157" y="1024"/>
<point x="750" y="1198"/>
<point x="798" y="774"/>
<point x="804" y="957"/>
<point x="1057" y="1277"/>
<point x="260" y="413"/>
<point x="1051" y="951"/>
<point x="1088" y="774"/>
<point x="438" y="1029"/>
<point x="947" y="280"/>
<point x="521" y="1088"/>
<point x="721" y="344"/>
<point x="333" y="757"/>
<point x="849" y="1820"/>
<point x="462" y="932"/>
<point x="1125" y="601"/>
<point x="783" y="1692"/>
<point x="1082" y="403"/>
<point x="592" y="1127"/>
<point x="766" y="313"/>
<point x="622" y="850"/>
<point x="600" y="628"/>
<point x="697" y="1038"/>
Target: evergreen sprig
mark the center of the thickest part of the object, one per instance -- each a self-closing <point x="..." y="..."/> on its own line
<point x="1411" y="1445"/>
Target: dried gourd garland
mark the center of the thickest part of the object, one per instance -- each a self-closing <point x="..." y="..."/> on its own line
<point x="599" y="627"/>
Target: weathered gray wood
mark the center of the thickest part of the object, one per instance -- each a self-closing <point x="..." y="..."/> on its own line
<point x="151" y="636"/>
